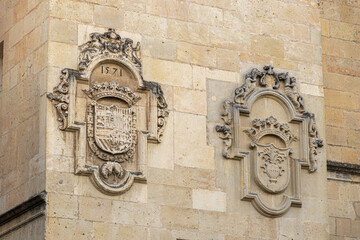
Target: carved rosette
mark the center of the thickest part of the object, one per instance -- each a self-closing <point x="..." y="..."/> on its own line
<point x="110" y="143"/>
<point x="269" y="165"/>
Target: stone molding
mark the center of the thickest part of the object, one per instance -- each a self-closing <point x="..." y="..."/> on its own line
<point x="340" y="167"/>
<point x="118" y="140"/>
<point x="255" y="168"/>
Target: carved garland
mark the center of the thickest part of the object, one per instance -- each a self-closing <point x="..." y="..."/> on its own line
<point x="243" y="92"/>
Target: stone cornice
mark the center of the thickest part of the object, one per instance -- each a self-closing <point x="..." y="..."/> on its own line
<point x="340" y="167"/>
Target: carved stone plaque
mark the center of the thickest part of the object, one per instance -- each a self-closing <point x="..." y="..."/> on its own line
<point x="267" y="128"/>
<point x="123" y="112"/>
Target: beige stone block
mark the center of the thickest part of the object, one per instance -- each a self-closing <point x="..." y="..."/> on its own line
<point x="209" y="200"/>
<point x="355" y="228"/>
<point x="339" y="99"/>
<point x="228" y="60"/>
<point x="336" y="136"/>
<point x="136" y="214"/>
<point x="301" y="32"/>
<point x="16" y="33"/>
<point x="333" y="190"/>
<point x="166" y="72"/>
<point x="159" y="234"/>
<point x="343" y="226"/>
<point x="63" y="55"/>
<point x="60" y="182"/>
<point x="334" y="117"/>
<point x="113" y="231"/>
<point x="343" y="30"/>
<point x="162" y="155"/>
<point x="333" y="47"/>
<point x="229" y="39"/>
<point x="300" y="52"/>
<point x="189" y="32"/>
<point x="290" y="229"/>
<point x="146" y="24"/>
<point x="178" y="9"/>
<point x="354" y="138"/>
<point x="199" y="78"/>
<point x="63" y="31"/>
<point x="218" y="222"/>
<point x="221" y="75"/>
<point x="190" y="131"/>
<point x="351" y="50"/>
<point x="268" y="229"/>
<point x="254" y="59"/>
<point x="350" y="155"/>
<point x="183" y="176"/>
<point x="315" y="34"/>
<point x="190" y="101"/>
<point x="310" y="89"/>
<point x="324" y="27"/>
<point x="62" y="206"/>
<point x="159" y="48"/>
<point x="339" y="208"/>
<point x="170" y="195"/>
<point x="333" y="152"/>
<point x="94" y="209"/>
<point x="58" y="228"/>
<point x="352" y="120"/>
<point x="350" y="14"/>
<point x="108" y="16"/>
<point x="71" y="10"/>
<point x="314" y="230"/>
<point x="343" y="66"/>
<point x="179" y="218"/>
<point x="196" y="54"/>
<point x="205" y="14"/>
<point x="261" y="45"/>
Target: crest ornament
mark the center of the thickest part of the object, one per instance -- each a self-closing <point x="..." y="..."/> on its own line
<point x="122" y="114"/>
<point x="273" y="141"/>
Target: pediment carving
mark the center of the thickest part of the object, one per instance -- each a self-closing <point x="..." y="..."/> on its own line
<point x="268" y="129"/>
<point x="112" y="110"/>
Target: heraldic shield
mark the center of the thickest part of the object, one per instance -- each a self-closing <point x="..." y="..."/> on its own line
<point x="113" y="128"/>
<point x="272" y="167"/>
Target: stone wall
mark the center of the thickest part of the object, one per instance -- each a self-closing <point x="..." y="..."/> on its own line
<point x="199" y="52"/>
<point x="24" y="30"/>
<point x="340" y="25"/>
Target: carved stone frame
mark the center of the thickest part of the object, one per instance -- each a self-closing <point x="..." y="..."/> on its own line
<point x="244" y="96"/>
<point x="108" y="47"/>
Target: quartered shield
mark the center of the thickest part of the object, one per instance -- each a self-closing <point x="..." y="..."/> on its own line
<point x="272" y="167"/>
<point x="113" y="128"/>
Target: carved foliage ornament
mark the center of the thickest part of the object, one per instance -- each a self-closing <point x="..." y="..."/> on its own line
<point x="264" y="162"/>
<point x="111" y="144"/>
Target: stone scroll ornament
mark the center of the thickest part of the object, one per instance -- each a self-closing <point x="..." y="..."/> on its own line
<point x="111" y="139"/>
<point x="276" y="151"/>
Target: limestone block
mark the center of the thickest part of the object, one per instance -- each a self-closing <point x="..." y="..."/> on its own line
<point x="164" y="195"/>
<point x="290" y="229"/>
<point x="196" y="54"/>
<point x="189" y="131"/>
<point x="350" y="155"/>
<point x="343" y="226"/>
<point x="334" y="117"/>
<point x="268" y="229"/>
<point x="342" y="30"/>
<point x="355" y="228"/>
<point x="340" y="99"/>
<point x="183" y="234"/>
<point x="63" y="58"/>
<point x="16" y="33"/>
<point x="108" y="16"/>
<point x="260" y="45"/>
<point x="199" y="78"/>
<point x="166" y="72"/>
<point x="178" y="9"/>
<point x="94" y="209"/>
<point x="179" y="218"/>
<point x="343" y="66"/>
<point x="183" y="176"/>
<point x="205" y="14"/>
<point x="313" y="230"/>
<point x="136" y="214"/>
<point x="333" y="191"/>
<point x="189" y="101"/>
<point x="310" y="89"/>
<point x="159" y="234"/>
<point x="60" y="182"/>
<point x="300" y="52"/>
<point x="209" y="200"/>
<point x="227" y="60"/>
<point x="62" y="206"/>
<point x="63" y="31"/>
<point x="218" y="222"/>
<point x="71" y="10"/>
<point x="59" y="228"/>
<point x="189" y="32"/>
<point x="315" y="36"/>
<point x="146" y="24"/>
<point x="159" y="48"/>
<point x="351" y="50"/>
